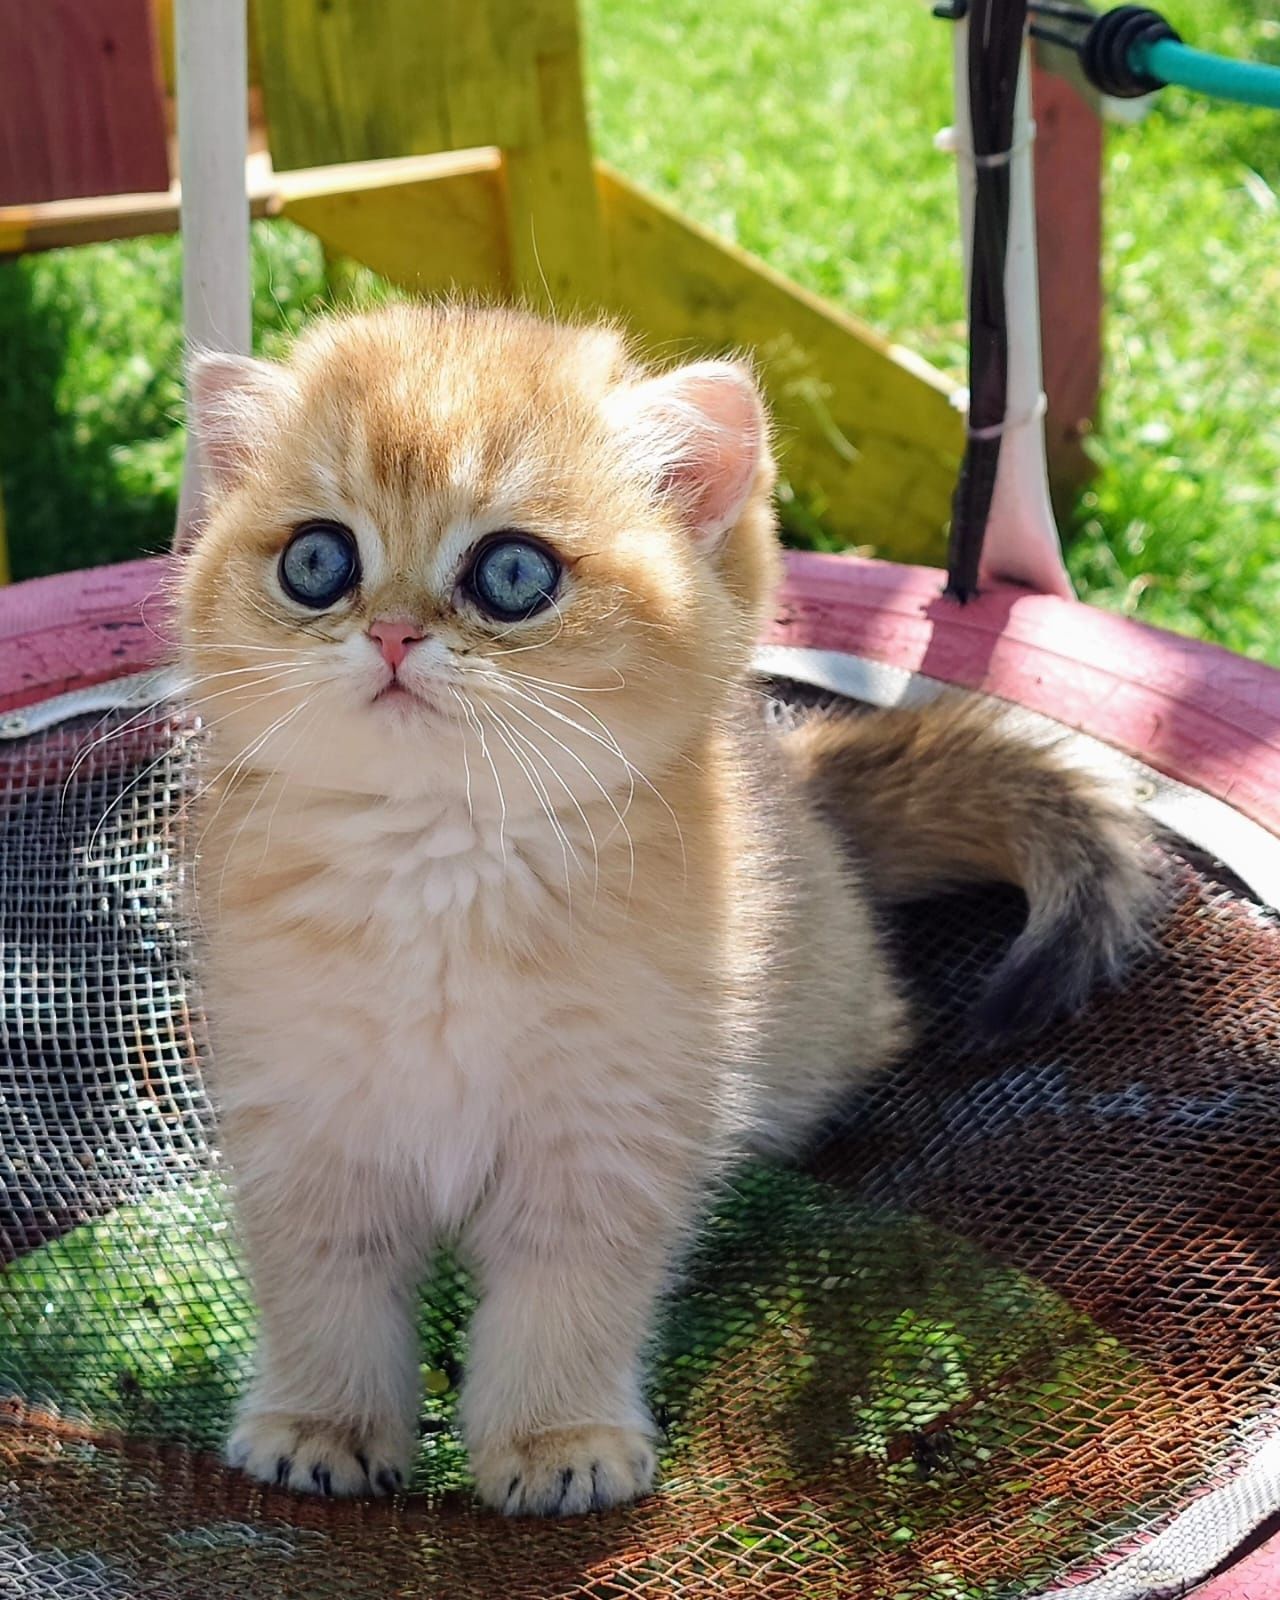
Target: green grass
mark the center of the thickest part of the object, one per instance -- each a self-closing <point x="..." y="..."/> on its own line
<point x="805" y="135"/>
<point x="91" y="438"/>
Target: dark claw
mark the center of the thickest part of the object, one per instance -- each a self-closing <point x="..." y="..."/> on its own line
<point x="284" y="1466"/>
<point x="389" y="1480"/>
<point x="320" y="1477"/>
<point x="512" y="1487"/>
<point x="597" y="1504"/>
<point x="364" y="1464"/>
<point x="566" y="1479"/>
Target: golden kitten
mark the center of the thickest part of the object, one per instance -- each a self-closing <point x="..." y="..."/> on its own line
<point x="515" y="921"/>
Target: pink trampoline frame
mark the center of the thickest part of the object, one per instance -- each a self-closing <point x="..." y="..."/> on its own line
<point x="1193" y="711"/>
<point x="1254" y="1577"/>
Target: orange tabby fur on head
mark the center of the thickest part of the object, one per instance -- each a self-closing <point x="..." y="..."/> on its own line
<point x="515" y="921"/>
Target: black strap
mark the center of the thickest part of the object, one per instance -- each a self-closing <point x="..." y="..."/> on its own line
<point x="995" y="52"/>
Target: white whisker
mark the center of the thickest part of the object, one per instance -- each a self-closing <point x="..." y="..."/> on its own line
<point x="151" y="766"/>
<point x="551" y="767"/>
<point x="604" y="793"/>
<point x="238" y="647"/>
<point x="240" y="764"/>
<point x="470" y="711"/>
<point x="303" y="728"/>
<point x="466" y="761"/>
<point x="542" y="644"/>
<point x="609" y="743"/>
<point x="120" y="729"/>
<point x="614" y="748"/>
<point x="576" y="688"/>
<point x="253" y="806"/>
<point x="503" y="731"/>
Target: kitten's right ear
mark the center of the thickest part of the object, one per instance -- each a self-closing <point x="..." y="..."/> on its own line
<point x="232" y="404"/>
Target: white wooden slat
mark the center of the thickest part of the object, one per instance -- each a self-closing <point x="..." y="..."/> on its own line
<point x="213" y="134"/>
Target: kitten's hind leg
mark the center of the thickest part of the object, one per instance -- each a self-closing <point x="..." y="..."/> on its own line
<point x="573" y="1251"/>
<point x="333" y="1406"/>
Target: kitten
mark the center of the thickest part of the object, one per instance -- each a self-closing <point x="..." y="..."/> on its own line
<point x="515" y="920"/>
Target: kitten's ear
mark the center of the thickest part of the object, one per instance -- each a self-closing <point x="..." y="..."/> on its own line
<point x="701" y="430"/>
<point x="232" y="402"/>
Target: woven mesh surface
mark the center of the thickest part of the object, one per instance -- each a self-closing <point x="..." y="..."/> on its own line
<point x="1017" y="1315"/>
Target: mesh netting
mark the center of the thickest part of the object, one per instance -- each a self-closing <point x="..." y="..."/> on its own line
<point x="1020" y="1313"/>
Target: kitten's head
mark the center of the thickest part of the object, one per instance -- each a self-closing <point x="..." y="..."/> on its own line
<point x="443" y="536"/>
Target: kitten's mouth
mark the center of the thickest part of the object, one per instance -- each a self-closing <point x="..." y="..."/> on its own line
<point x="400" y="694"/>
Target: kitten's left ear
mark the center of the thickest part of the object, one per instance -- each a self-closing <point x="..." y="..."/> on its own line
<point x="701" y="430"/>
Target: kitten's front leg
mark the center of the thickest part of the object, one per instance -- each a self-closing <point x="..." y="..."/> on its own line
<point x="333" y="1405"/>
<point x="573" y="1251"/>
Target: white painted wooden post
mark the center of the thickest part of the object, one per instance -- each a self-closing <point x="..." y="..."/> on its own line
<point x="1022" y="540"/>
<point x="213" y="146"/>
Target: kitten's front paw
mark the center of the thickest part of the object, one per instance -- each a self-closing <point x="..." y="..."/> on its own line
<point x="319" y="1457"/>
<point x="566" y="1471"/>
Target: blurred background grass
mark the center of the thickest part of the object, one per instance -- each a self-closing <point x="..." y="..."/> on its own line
<point x="804" y="135"/>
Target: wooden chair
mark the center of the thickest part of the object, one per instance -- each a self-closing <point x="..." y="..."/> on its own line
<point x="447" y="147"/>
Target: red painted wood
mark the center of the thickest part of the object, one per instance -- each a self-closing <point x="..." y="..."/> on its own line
<point x="1194" y="711"/>
<point x="81" y="628"/>
<point x="1255" y="1577"/>
<point x="1068" y="177"/>
<point x="81" y="100"/>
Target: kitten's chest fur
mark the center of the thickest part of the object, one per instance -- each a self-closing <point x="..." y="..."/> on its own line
<point x="408" y="983"/>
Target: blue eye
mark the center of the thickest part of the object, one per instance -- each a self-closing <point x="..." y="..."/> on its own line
<point x="513" y="577"/>
<point x="319" y="564"/>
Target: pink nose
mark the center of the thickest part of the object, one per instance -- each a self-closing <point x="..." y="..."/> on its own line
<point x="393" y="636"/>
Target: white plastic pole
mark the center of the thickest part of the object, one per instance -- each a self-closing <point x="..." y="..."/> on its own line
<point x="213" y="146"/>
<point x="1022" y="542"/>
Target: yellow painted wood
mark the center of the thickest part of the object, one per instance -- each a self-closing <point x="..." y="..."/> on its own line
<point x="162" y="13"/>
<point x="427" y="223"/>
<point x="350" y="80"/>
<point x="556" y="243"/>
<point x="490" y="49"/>
<point x="53" y="224"/>
<point x="359" y="80"/>
<point x="866" y="431"/>
<point x="356" y="80"/>
<point x="556" y="246"/>
<point x="15" y="229"/>
<point x="459" y="194"/>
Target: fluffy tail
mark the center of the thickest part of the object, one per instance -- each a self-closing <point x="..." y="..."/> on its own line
<point x="947" y="794"/>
